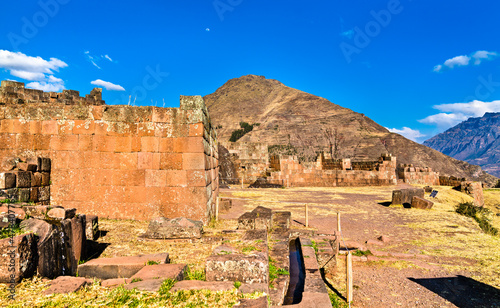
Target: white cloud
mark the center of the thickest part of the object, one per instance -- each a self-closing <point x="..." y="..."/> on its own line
<point x="412" y="134"/>
<point x="453" y="114"/>
<point x="35" y="69"/>
<point x="483" y="54"/>
<point x="46" y="86"/>
<point x="107" y="85"/>
<point x="96" y="59"/>
<point x="465" y="60"/>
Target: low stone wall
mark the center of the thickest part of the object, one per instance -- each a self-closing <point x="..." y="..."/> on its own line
<point x="25" y="180"/>
<point x="416" y="175"/>
<point x="450" y="181"/>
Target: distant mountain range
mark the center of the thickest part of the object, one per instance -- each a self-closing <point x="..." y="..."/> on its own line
<point x="290" y="118"/>
<point x="476" y="141"/>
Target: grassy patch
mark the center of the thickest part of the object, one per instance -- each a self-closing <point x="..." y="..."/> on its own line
<point x="11" y="231"/>
<point x="336" y="301"/>
<point x="360" y="253"/>
<point x="195" y="274"/>
<point x="479" y="214"/>
<point x="151" y="262"/>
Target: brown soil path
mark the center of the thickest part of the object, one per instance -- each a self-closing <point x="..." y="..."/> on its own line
<point x="402" y="273"/>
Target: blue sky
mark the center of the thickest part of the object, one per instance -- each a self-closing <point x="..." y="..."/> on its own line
<point x="417" y="67"/>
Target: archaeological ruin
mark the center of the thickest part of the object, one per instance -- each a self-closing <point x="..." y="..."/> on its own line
<point x="115" y="161"/>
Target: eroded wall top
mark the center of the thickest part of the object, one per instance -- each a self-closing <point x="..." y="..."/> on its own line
<point x="12" y="92"/>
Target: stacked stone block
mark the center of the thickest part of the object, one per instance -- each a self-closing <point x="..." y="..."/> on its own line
<point x="121" y="161"/>
<point x="25" y="180"/>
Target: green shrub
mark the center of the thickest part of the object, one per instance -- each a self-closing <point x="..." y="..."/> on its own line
<point x="195" y="275"/>
<point x="360" y="253"/>
<point x="245" y="128"/>
<point x="498" y="184"/>
<point x="480" y="215"/>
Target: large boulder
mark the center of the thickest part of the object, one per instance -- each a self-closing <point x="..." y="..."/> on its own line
<point x="421" y="203"/>
<point x="18" y="258"/>
<point x="475" y="190"/>
<point x="177" y="228"/>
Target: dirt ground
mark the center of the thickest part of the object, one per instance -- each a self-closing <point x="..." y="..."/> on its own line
<point x="435" y="258"/>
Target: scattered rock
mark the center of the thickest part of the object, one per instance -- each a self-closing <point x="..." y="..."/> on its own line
<point x="259" y="218"/>
<point x="164" y="228"/>
<point x="225" y="205"/>
<point x="428" y="189"/>
<point x="161" y="271"/>
<point x="119" y="267"/>
<point x="61" y="213"/>
<point x="38" y="212"/>
<point x="384" y="239"/>
<point x="405" y="196"/>
<point x="203" y="285"/>
<point x="421" y="203"/>
<point x="67" y="284"/>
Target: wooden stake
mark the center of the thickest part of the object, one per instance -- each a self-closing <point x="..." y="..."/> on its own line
<point x="338" y="222"/>
<point x="242" y="181"/>
<point x="349" y="277"/>
<point x="307" y="217"/>
<point x="217" y="209"/>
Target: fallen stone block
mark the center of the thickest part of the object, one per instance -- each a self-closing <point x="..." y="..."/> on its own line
<point x="405" y="196"/>
<point x="252" y="268"/>
<point x="7" y="180"/>
<point x="37" y="161"/>
<point x="225" y="205"/>
<point x="8" y="163"/>
<point x="61" y="213"/>
<point x="177" y="228"/>
<point x="428" y="189"/>
<point x="18" y="258"/>
<point x="27" y="167"/>
<point x="202" y="285"/>
<point x="119" y="267"/>
<point x="67" y="284"/>
<point x="39" y="211"/>
<point x="281" y="219"/>
<point x="259" y="218"/>
<point x="421" y="203"/>
<point x="92" y="227"/>
<point x="17" y="212"/>
<point x="79" y="238"/>
<point x="151" y="285"/>
<point x="161" y="271"/>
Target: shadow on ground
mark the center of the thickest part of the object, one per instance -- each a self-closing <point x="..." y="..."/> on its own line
<point x="464" y="292"/>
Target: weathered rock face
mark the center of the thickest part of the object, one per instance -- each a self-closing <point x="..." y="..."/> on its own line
<point x="18" y="257"/>
<point x="238" y="267"/>
<point x="177" y="228"/>
<point x="56" y="256"/>
<point x="92" y="227"/>
<point x="79" y="238"/>
<point x="405" y="196"/>
<point x="421" y="203"/>
<point x="259" y="218"/>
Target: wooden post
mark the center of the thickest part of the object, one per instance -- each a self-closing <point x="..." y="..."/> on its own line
<point x="338" y="222"/>
<point x="217" y="209"/>
<point x="242" y="180"/>
<point x="349" y="277"/>
<point x="307" y="217"/>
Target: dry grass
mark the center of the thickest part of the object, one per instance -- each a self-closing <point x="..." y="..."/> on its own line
<point x="28" y="295"/>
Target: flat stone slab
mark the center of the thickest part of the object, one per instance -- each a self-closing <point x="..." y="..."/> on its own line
<point x="161" y="271"/>
<point x="260" y="218"/>
<point x="177" y="228"/>
<point x="151" y="285"/>
<point x="115" y="282"/>
<point x="119" y="267"/>
<point x="67" y="284"/>
<point x="260" y="302"/>
<point x="252" y="268"/>
<point x="249" y="288"/>
<point x="202" y="285"/>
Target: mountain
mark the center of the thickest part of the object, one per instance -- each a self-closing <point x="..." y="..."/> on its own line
<point x="307" y="123"/>
<point x="476" y="141"/>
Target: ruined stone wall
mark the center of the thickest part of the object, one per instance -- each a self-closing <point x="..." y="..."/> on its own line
<point x="450" y="181"/>
<point x="244" y="160"/>
<point x="120" y="161"/>
<point x="294" y="173"/>
<point x="416" y="175"/>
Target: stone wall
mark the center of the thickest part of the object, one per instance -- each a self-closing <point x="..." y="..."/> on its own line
<point x="119" y="161"/>
<point x="243" y="160"/>
<point x="25" y="180"/>
<point x="450" y="181"/>
<point x="294" y="173"/>
<point x="416" y="175"/>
